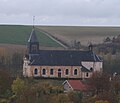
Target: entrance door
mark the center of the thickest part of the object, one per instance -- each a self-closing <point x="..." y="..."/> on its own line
<point x="59" y="73"/>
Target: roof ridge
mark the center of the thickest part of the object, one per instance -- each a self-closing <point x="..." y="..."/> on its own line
<point x="33" y="37"/>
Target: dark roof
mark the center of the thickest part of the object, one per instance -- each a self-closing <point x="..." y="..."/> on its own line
<point x="62" y="57"/>
<point x="83" y="69"/>
<point x="33" y="37"/>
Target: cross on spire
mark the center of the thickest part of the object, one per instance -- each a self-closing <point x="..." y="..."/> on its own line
<point x="33" y="21"/>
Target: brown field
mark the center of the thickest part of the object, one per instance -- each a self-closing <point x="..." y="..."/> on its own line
<point x="9" y="49"/>
<point x="12" y="48"/>
<point x="83" y="34"/>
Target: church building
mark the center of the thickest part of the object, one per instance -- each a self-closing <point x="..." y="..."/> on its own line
<point x="59" y="63"/>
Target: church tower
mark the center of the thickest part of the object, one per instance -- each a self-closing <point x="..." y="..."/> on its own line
<point x="33" y="44"/>
<point x="32" y="48"/>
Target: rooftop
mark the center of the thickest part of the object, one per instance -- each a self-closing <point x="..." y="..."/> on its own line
<point x="62" y="57"/>
<point x="77" y="85"/>
<point x="33" y="37"/>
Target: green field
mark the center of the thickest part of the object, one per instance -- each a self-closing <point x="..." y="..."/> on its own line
<point x="84" y="34"/>
<point x="13" y="34"/>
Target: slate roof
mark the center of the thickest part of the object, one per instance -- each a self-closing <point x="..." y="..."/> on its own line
<point x="33" y="37"/>
<point x="83" y="69"/>
<point x="62" y="58"/>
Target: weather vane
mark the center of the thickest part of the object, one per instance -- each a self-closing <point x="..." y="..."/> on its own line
<point x="33" y="21"/>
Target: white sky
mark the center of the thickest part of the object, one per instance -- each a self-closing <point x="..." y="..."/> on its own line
<point x="61" y="12"/>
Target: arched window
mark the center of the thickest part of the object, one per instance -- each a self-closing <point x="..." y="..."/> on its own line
<point x="44" y="71"/>
<point x="59" y="73"/>
<point x="59" y="70"/>
<point x="91" y="69"/>
<point x="75" y="72"/>
<point x="51" y="71"/>
<point x="66" y="72"/>
<point x="87" y="74"/>
<point x="36" y="71"/>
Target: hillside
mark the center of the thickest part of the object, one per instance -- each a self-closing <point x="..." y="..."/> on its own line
<point x="83" y="34"/>
<point x="13" y="34"/>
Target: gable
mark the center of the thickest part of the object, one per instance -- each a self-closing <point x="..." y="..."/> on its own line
<point x="67" y="87"/>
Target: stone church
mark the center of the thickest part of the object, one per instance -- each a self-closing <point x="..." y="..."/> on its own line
<point x="59" y="63"/>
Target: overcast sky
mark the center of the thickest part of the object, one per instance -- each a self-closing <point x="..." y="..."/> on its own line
<point x="61" y="12"/>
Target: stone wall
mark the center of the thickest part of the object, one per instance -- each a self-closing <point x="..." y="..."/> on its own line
<point x="30" y="71"/>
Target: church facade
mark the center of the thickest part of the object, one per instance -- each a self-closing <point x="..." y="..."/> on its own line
<point x="59" y="63"/>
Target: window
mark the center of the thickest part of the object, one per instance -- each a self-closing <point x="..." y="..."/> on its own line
<point x="51" y="71"/>
<point x="34" y="48"/>
<point x="59" y="73"/>
<point x="44" y="71"/>
<point x="36" y="71"/>
<point x="75" y="72"/>
<point x="66" y="72"/>
<point x="59" y="70"/>
<point x="91" y="69"/>
<point x="87" y="74"/>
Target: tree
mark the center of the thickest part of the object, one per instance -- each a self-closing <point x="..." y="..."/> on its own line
<point x="109" y="96"/>
<point x="5" y="81"/>
<point x="115" y="84"/>
<point x="18" y="86"/>
<point x="102" y="101"/>
<point x="61" y="98"/>
<point x="17" y="60"/>
<point x="118" y="98"/>
<point x="100" y="81"/>
<point x="75" y="97"/>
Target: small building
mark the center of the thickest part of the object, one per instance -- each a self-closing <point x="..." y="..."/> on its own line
<point x="74" y="85"/>
<point x="59" y="63"/>
<point x="78" y="86"/>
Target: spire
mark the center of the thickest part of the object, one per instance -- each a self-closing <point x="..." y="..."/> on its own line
<point x="90" y="47"/>
<point x="33" y="21"/>
<point x="33" y="44"/>
<point x="33" y="37"/>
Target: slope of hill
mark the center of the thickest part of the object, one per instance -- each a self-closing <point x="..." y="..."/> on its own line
<point x="83" y="34"/>
<point x="13" y="34"/>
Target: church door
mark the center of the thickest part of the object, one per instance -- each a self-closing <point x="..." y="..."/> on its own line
<point x="59" y="73"/>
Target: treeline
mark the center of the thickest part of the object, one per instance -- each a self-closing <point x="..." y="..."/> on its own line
<point x="12" y="60"/>
<point x="104" y="89"/>
<point x="111" y="63"/>
<point x="109" y="45"/>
